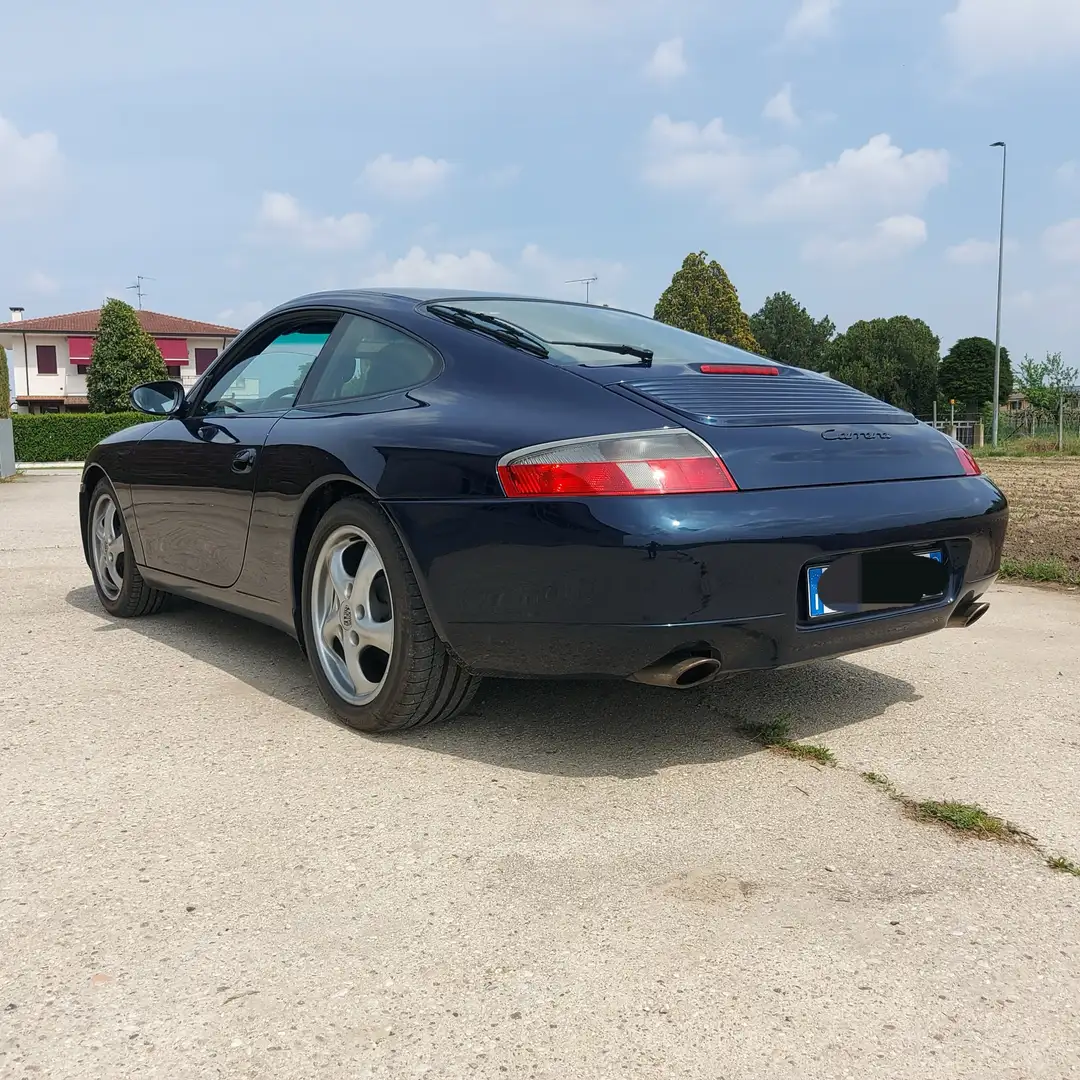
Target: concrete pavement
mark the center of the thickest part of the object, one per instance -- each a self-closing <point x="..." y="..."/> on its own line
<point x="202" y="875"/>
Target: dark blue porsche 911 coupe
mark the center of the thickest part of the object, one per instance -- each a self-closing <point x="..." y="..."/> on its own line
<point x="426" y="488"/>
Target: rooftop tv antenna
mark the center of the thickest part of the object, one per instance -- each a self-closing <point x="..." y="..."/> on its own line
<point x="138" y="287"/>
<point x="586" y="281"/>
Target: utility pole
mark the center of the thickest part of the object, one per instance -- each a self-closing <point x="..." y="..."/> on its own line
<point x="586" y="281"/>
<point x="1001" y="267"/>
<point x="137" y="287"/>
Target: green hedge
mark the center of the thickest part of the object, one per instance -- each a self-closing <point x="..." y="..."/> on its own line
<point x="66" y="436"/>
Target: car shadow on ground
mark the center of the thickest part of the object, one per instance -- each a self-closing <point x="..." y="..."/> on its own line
<point x="558" y="728"/>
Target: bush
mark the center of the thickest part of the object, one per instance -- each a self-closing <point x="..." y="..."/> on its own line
<point x="66" y="436"/>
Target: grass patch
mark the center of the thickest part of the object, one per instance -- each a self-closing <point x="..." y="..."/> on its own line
<point x="963" y="817"/>
<point x="776" y="735"/>
<point x="1066" y="866"/>
<point x="1041" y="570"/>
<point x="12" y="478"/>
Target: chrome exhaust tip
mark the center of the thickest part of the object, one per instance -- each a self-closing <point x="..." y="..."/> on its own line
<point x="968" y="616"/>
<point x="684" y="674"/>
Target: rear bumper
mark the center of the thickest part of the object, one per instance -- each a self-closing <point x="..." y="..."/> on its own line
<point x="605" y="587"/>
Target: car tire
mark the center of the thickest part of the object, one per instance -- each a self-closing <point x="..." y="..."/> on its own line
<point x="374" y="652"/>
<point x="120" y="587"/>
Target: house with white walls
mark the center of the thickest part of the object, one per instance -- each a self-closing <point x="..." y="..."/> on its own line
<point x="48" y="357"/>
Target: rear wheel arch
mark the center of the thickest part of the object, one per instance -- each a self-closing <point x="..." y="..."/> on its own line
<point x="317" y="502"/>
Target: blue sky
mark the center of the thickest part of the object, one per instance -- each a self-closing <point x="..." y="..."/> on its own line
<point x="241" y="152"/>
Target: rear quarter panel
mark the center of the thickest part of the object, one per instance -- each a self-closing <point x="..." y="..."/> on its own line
<point x="438" y="442"/>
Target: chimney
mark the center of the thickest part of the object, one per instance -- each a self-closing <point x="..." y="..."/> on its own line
<point x="16" y="314"/>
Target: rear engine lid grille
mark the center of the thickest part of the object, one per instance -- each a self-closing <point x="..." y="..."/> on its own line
<point x="795" y="398"/>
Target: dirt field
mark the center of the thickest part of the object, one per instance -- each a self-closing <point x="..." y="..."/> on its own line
<point x="1044" y="501"/>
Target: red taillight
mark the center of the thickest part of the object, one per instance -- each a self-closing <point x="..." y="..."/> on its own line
<point x="738" y="369"/>
<point x="649" y="463"/>
<point x="971" y="466"/>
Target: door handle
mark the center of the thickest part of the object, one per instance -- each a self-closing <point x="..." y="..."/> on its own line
<point x="243" y="461"/>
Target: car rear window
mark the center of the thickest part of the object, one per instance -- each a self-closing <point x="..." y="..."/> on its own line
<point x="553" y="321"/>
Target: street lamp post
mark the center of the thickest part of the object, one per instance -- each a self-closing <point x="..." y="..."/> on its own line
<point x="1001" y="267"/>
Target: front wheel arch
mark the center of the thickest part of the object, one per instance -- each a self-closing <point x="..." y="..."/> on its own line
<point x="92" y="476"/>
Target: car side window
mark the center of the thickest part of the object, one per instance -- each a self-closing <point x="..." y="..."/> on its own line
<point x="370" y="359"/>
<point x="270" y="378"/>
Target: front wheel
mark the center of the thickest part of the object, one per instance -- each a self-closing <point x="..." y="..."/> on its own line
<point x="375" y="655"/>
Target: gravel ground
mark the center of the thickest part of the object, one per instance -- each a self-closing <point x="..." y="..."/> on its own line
<point x="202" y="875"/>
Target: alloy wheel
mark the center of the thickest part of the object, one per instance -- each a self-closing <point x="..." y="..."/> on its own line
<point x="352" y="615"/>
<point x="107" y="545"/>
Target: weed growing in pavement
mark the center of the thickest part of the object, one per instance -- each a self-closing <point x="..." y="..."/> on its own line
<point x="880" y="781"/>
<point x="963" y="817"/>
<point x="776" y="735"/>
<point x="1066" y="866"/>
<point x="1042" y="570"/>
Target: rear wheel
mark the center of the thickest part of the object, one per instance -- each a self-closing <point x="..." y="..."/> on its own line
<point x="377" y="660"/>
<point x="120" y="587"/>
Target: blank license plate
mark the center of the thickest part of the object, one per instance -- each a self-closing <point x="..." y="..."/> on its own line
<point x="813" y="577"/>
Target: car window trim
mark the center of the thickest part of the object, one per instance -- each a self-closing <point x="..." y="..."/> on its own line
<point x="272" y="326"/>
<point x="303" y="398"/>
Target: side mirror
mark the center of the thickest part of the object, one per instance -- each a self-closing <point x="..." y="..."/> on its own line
<point x="158" y="398"/>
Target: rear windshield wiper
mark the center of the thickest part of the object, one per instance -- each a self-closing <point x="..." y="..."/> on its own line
<point x="645" y="356"/>
<point x="503" y="331"/>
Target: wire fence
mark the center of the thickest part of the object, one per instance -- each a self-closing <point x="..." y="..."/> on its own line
<point x="1037" y="423"/>
<point x="1012" y="424"/>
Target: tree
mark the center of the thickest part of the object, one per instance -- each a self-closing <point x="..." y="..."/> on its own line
<point x="124" y="355"/>
<point x="702" y="299"/>
<point x="966" y="374"/>
<point x="5" y="387"/>
<point x="786" y="332"/>
<point x="1046" y="383"/>
<point x="895" y="360"/>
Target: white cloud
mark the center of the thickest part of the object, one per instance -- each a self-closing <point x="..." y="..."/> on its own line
<point x="552" y="275"/>
<point x="42" y="284"/>
<point x="876" y="177"/>
<point x="811" y="19"/>
<point x="1068" y="174"/>
<point x="504" y="177"/>
<point x="972" y="253"/>
<point x="242" y="315"/>
<point x="532" y="271"/>
<point x="412" y="178"/>
<point x="681" y="156"/>
<point x="417" y="269"/>
<point x="991" y="36"/>
<point x="781" y="108"/>
<point x="889" y="239"/>
<point x="282" y="219"/>
<point x="1061" y="242"/>
<point x="604" y="15"/>
<point x="667" y="63"/>
<point x="30" y="166"/>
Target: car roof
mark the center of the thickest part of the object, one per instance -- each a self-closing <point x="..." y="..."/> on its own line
<point x="415" y="295"/>
<point x="367" y="300"/>
<point x="348" y="297"/>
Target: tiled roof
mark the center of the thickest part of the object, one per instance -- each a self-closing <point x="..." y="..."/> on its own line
<point x="86" y="322"/>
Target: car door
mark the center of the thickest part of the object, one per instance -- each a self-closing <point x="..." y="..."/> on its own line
<point x="194" y="477"/>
